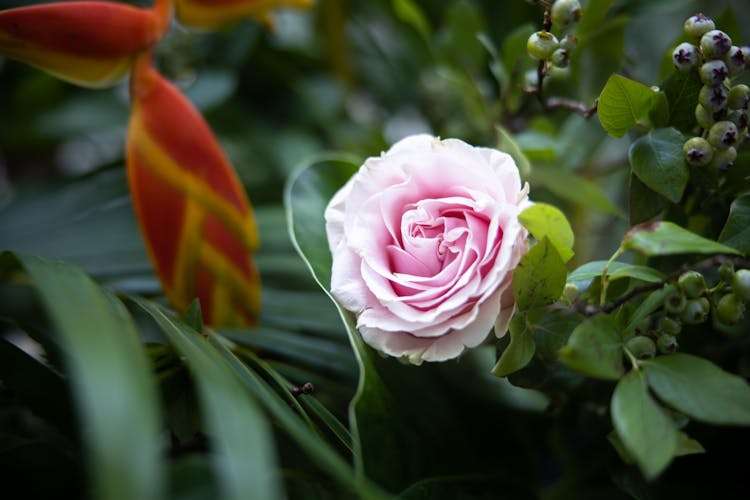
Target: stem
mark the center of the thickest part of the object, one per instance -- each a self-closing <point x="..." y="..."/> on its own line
<point x="633" y="360"/>
<point x="605" y="274"/>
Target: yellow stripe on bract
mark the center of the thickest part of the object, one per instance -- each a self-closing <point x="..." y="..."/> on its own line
<point x="221" y="307"/>
<point x="84" y="71"/>
<point x="230" y="277"/>
<point x="241" y="225"/>
<point x="188" y="255"/>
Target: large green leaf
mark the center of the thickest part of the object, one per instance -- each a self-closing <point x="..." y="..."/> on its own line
<point x="595" y="348"/>
<point x="646" y="431"/>
<point x="110" y="376"/>
<point x="682" y="91"/>
<point x="700" y="389"/>
<point x="244" y="456"/>
<point x="623" y="103"/>
<point x="539" y="278"/>
<point x="667" y="238"/>
<point x="546" y="220"/>
<point x="643" y="203"/>
<point x="657" y="159"/>
<point x="615" y="270"/>
<point x="736" y="232"/>
<point x="520" y="350"/>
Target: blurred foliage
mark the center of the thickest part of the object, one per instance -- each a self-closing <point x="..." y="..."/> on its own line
<point x="349" y="76"/>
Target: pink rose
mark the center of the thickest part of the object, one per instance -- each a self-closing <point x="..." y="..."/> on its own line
<point x="424" y="241"/>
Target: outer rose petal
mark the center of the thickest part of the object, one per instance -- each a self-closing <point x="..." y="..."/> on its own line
<point x="424" y="241"/>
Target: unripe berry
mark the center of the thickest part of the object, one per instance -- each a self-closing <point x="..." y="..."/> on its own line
<point x="735" y="60"/>
<point x="698" y="151"/>
<point x="730" y="309"/>
<point x="568" y="42"/>
<point x="724" y="158"/>
<point x="675" y="301"/>
<point x="714" y="44"/>
<point x="570" y="293"/>
<point x="712" y="98"/>
<point x="566" y="12"/>
<point x="696" y="311"/>
<point x="560" y="58"/>
<point x="541" y="45"/>
<point x="713" y="73"/>
<point x="695" y="26"/>
<point x="738" y="96"/>
<point x="669" y="325"/>
<point x="739" y="118"/>
<point x="692" y="284"/>
<point x="666" y="343"/>
<point x="704" y="117"/>
<point x="741" y="284"/>
<point x="641" y="347"/>
<point x="723" y="134"/>
<point x="685" y="56"/>
<point x="726" y="271"/>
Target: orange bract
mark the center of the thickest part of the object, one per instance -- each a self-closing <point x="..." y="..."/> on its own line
<point x="211" y="14"/>
<point x="88" y="43"/>
<point x="194" y="214"/>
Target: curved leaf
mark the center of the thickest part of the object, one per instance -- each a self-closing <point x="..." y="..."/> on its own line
<point x="622" y="103"/>
<point x="667" y="238"/>
<point x="657" y="160"/>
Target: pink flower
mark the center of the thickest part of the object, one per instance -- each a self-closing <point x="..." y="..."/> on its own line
<point x="424" y="241"/>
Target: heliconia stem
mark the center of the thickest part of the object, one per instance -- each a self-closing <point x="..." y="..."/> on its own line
<point x="88" y="43"/>
<point x="194" y="214"/>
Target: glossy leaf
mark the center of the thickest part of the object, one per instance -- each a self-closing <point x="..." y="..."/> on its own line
<point x="682" y="91"/>
<point x="520" y="350"/>
<point x="736" y="231"/>
<point x="595" y="348"/>
<point x="645" y="430"/>
<point x="643" y="203"/>
<point x="212" y="14"/>
<point x="667" y="238"/>
<point x="623" y="103"/>
<point x="104" y="357"/>
<point x="699" y="389"/>
<point x="193" y="212"/>
<point x="88" y="43"/>
<point x="546" y="220"/>
<point x="615" y="270"/>
<point x="657" y="160"/>
<point x="539" y="278"/>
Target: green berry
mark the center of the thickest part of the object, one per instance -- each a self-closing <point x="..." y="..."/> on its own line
<point x="692" y="284"/>
<point x="675" y="301"/>
<point x="741" y="284"/>
<point x="566" y="12"/>
<point x="724" y="158"/>
<point x="735" y="60"/>
<point x="568" y="43"/>
<point x="730" y="309"/>
<point x="713" y="73"/>
<point x="695" y="26"/>
<point x="670" y="325"/>
<point x="726" y="271"/>
<point x="696" y="311"/>
<point x="712" y="98"/>
<point x="570" y="293"/>
<point x="723" y="134"/>
<point x="714" y="44"/>
<point x="666" y="343"/>
<point x="704" y="117"/>
<point x="698" y="151"/>
<point x="738" y="96"/>
<point x="739" y="118"/>
<point x="541" y="45"/>
<point x="641" y="347"/>
<point x="685" y="56"/>
<point x="560" y="58"/>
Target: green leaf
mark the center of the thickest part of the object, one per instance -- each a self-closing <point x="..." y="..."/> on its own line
<point x="657" y="159"/>
<point x="699" y="389"/>
<point x="687" y="445"/>
<point x="546" y="220"/>
<point x="645" y="430"/>
<point x="520" y="350"/>
<point x="616" y="270"/>
<point x="539" y="278"/>
<point x="651" y="303"/>
<point x="506" y="142"/>
<point x="410" y="13"/>
<point x="244" y="456"/>
<point x="622" y="103"/>
<point x="667" y="238"/>
<point x="571" y="187"/>
<point x="104" y="358"/>
<point x="595" y="348"/>
<point x="643" y="203"/>
<point x="682" y="91"/>
<point x="736" y="231"/>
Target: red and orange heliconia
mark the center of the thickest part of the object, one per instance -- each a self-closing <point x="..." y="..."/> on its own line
<point x="192" y="209"/>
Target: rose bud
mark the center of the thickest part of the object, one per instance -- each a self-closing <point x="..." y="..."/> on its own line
<point x="193" y="212"/>
<point x="212" y="14"/>
<point x="424" y="240"/>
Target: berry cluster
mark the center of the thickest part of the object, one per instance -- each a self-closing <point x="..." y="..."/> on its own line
<point x="689" y="302"/>
<point x="722" y="107"/>
<point x="544" y="46"/>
